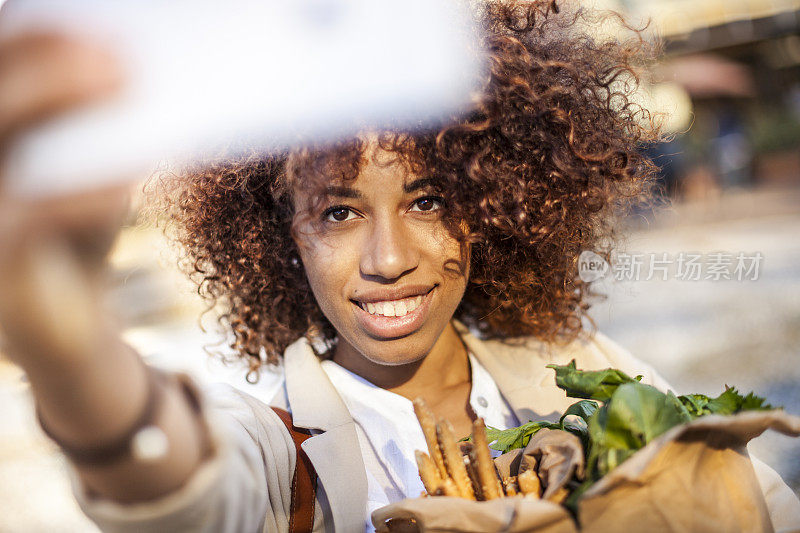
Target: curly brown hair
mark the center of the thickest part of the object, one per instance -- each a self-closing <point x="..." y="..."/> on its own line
<point x="549" y="152"/>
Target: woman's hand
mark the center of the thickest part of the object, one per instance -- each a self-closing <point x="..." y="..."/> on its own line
<point x="52" y="250"/>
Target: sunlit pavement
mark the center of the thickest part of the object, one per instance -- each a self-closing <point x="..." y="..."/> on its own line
<point x="699" y="334"/>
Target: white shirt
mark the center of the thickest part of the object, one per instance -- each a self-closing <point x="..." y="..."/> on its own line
<point x="388" y="431"/>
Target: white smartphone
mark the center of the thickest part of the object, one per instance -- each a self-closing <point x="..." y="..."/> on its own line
<point x="201" y="73"/>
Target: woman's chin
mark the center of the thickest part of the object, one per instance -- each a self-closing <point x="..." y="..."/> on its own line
<point x="385" y="355"/>
<point x="399" y="360"/>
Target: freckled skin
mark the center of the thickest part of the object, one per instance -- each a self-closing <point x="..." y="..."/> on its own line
<point x="390" y="238"/>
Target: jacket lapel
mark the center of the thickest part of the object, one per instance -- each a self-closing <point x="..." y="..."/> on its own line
<point x="335" y="453"/>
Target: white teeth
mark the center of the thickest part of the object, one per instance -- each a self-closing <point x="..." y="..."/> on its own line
<point x="393" y="307"/>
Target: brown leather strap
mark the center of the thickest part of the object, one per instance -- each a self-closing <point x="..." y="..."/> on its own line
<point x="304" y="481"/>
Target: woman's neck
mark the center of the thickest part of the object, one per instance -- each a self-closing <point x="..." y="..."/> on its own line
<point x="433" y="377"/>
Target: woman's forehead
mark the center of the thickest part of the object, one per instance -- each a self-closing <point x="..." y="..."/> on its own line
<point x="367" y="162"/>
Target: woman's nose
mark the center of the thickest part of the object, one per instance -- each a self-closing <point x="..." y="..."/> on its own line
<point x="390" y="250"/>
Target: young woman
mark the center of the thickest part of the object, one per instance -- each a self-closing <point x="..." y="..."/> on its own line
<point x="438" y="263"/>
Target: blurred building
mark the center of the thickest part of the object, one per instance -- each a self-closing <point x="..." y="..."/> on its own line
<point x="739" y="63"/>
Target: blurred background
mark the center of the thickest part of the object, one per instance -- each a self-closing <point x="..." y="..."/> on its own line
<point x="730" y="180"/>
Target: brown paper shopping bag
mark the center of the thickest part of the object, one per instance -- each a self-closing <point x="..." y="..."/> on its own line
<point x="696" y="477"/>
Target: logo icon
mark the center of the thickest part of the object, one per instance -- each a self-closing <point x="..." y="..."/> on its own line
<point x="591" y="266"/>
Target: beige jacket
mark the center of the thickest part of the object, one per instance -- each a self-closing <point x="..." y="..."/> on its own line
<point x="245" y="487"/>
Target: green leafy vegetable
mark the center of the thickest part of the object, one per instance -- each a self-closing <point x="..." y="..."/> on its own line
<point x="727" y="403"/>
<point x="643" y="412"/>
<point x="583" y="409"/>
<point x="618" y="416"/>
<point x="591" y="384"/>
<point x="634" y="416"/>
<point x="505" y="440"/>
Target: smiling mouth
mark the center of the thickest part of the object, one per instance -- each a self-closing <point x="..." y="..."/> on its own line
<point x="396" y="308"/>
<point x="394" y="318"/>
<point x="393" y="308"/>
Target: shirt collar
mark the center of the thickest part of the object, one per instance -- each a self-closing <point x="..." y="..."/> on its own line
<point x="315" y="403"/>
<point x="313" y="399"/>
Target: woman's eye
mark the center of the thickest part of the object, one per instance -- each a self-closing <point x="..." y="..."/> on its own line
<point x="338" y="214"/>
<point x="428" y="203"/>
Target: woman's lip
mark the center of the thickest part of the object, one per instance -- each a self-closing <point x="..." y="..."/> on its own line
<point x="390" y="327"/>
<point x="397" y="293"/>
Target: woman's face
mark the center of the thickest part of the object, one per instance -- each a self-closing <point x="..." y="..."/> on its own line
<point x="382" y="267"/>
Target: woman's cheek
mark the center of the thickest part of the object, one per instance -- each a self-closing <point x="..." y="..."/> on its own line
<point x="446" y="251"/>
<point x="328" y="267"/>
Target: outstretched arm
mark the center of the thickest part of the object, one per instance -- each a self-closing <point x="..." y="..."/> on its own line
<point x="90" y="388"/>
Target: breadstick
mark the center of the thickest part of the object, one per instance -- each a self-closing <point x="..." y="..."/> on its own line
<point x="447" y="488"/>
<point x="428" y="425"/>
<point x="450" y="488"/>
<point x="428" y="472"/>
<point x="529" y="483"/>
<point x="454" y="460"/>
<point x="510" y="486"/>
<point x="490" y="484"/>
<point x="472" y="471"/>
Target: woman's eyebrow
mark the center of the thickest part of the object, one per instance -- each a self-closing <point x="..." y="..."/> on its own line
<point x="419" y="183"/>
<point x="342" y="192"/>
